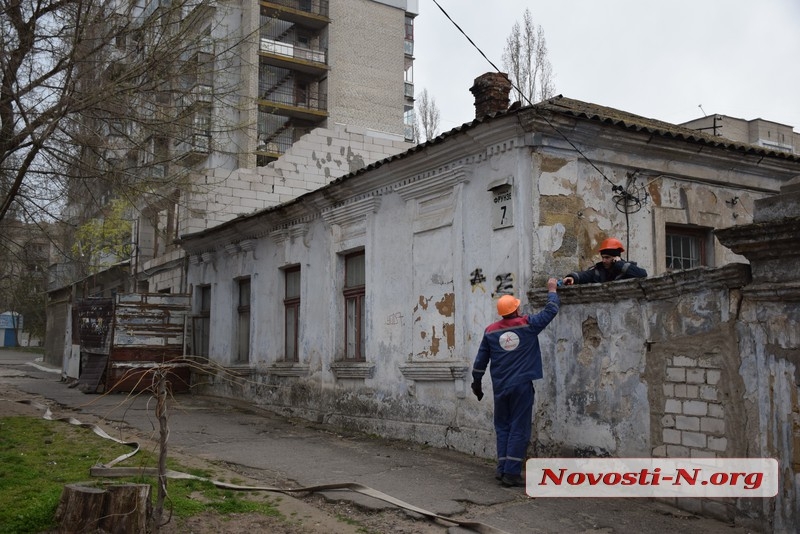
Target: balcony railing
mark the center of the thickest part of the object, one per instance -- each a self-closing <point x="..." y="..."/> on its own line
<point x="409" y="90"/>
<point x="199" y="94"/>
<point x="293" y="96"/>
<point x="317" y="7"/>
<point x="272" y="144"/>
<point x="196" y="146"/>
<point x="294" y="51"/>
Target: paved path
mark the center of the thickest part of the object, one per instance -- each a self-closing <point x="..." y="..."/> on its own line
<point x="291" y="453"/>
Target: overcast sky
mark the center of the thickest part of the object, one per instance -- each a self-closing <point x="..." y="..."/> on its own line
<point x="661" y="59"/>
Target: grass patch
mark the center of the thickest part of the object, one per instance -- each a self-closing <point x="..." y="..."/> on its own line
<point x="38" y="457"/>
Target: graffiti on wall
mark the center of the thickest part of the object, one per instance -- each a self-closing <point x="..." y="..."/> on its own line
<point x="504" y="285"/>
<point x="476" y="280"/>
<point x="504" y="282"/>
<point x="394" y="319"/>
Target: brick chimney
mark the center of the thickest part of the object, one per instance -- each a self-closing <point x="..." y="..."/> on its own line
<point x="491" y="93"/>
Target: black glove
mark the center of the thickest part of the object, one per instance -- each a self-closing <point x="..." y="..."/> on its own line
<point x="477" y="390"/>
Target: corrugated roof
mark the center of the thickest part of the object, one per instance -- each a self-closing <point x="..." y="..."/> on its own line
<point x="594" y="112"/>
<point x="556" y="105"/>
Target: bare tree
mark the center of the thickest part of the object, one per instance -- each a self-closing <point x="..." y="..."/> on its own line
<point x="107" y="99"/>
<point x="525" y="61"/>
<point x="428" y="117"/>
<point x="104" y="101"/>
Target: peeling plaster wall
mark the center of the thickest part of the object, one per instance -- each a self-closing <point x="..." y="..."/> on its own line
<point x="674" y="365"/>
<point x="769" y="337"/>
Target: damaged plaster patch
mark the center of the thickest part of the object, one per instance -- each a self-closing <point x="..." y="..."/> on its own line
<point x="354" y="161"/>
<point x="434" y="342"/>
<point x="450" y="334"/>
<point x="591" y="340"/>
<point x="446" y="305"/>
<point x="551" y="164"/>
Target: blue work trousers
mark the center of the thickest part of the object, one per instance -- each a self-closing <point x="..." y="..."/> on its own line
<point x="513" y="409"/>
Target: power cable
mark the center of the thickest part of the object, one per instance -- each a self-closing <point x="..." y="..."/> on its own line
<point x="622" y="195"/>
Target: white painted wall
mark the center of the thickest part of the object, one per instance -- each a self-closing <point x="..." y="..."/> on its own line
<point x="427" y="224"/>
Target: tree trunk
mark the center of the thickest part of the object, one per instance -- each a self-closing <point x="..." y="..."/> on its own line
<point x="120" y="509"/>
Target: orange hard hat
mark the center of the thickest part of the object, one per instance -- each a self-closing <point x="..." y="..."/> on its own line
<point x="507" y="304"/>
<point x="612" y="243"/>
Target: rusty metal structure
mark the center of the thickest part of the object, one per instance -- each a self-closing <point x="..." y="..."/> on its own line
<point x="126" y="341"/>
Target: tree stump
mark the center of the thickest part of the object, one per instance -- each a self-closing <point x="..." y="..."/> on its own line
<point x="128" y="509"/>
<point x="119" y="509"/>
<point x="80" y="509"/>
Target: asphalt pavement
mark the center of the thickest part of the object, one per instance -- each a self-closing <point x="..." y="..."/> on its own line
<point x="291" y="453"/>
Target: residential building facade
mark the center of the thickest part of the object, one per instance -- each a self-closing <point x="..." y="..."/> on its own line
<point x="362" y="304"/>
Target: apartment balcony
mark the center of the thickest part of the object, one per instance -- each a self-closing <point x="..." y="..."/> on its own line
<point x="294" y="56"/>
<point x="294" y="102"/>
<point x="201" y="52"/>
<point x="153" y="6"/>
<point x="199" y="95"/>
<point x="309" y="13"/>
<point x="156" y="172"/>
<point x="277" y="138"/>
<point x="194" y="12"/>
<point x="193" y="149"/>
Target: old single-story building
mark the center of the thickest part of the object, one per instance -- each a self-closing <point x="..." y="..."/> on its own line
<point x="363" y="303"/>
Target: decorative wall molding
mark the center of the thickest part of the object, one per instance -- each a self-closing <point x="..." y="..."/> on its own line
<point x="456" y="372"/>
<point x="288" y="369"/>
<point x="351" y="217"/>
<point x="432" y="184"/>
<point x="359" y="370"/>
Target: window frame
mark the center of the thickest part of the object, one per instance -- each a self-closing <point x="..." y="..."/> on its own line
<point x="291" y="311"/>
<point x="243" y="320"/>
<point x="354" y="294"/>
<point x="698" y="235"/>
<point x="201" y="323"/>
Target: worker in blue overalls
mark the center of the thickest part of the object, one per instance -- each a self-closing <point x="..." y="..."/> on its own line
<point x="510" y="347"/>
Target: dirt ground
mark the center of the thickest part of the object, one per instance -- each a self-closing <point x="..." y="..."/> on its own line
<point x="301" y="514"/>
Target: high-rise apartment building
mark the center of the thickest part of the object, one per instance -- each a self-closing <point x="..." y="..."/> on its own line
<point x="314" y="89"/>
<point x="269" y="100"/>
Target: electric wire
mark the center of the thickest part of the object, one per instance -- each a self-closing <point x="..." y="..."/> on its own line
<point x="621" y="191"/>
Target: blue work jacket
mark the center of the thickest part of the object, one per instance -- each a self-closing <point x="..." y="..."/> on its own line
<point x="512" y="347"/>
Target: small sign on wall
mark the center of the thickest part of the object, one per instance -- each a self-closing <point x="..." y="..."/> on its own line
<point x="502" y="207"/>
